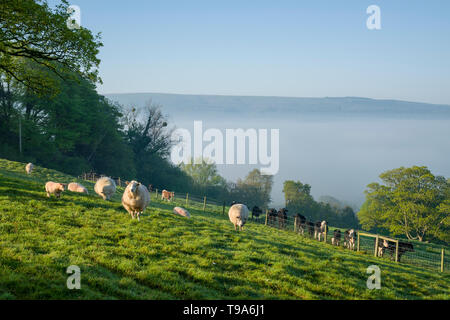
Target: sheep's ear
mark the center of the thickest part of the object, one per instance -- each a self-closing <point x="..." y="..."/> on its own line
<point x="127" y="182"/>
<point x="138" y="183"/>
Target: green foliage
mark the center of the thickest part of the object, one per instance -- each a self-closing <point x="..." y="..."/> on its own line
<point x="412" y="201"/>
<point x="30" y="31"/>
<point x="165" y="256"/>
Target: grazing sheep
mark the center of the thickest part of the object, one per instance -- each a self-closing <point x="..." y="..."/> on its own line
<point x="135" y="198"/>
<point x="238" y="215"/>
<point x="182" y="212"/>
<point x="105" y="187"/>
<point x="55" y="188"/>
<point x="76" y="187"/>
<point x="29" y="168"/>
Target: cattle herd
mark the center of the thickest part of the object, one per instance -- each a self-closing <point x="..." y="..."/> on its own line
<point x="136" y="198"/>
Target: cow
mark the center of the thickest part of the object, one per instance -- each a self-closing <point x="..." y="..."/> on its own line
<point x="320" y="229"/>
<point x="390" y="246"/>
<point x="300" y="223"/>
<point x="350" y="239"/>
<point x="272" y="216"/>
<point x="310" y="226"/>
<point x="166" y="195"/>
<point x="336" y="237"/>
<point x="282" y="218"/>
<point x="256" y="212"/>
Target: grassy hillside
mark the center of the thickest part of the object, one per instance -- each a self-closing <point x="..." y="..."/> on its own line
<point x="165" y="256"/>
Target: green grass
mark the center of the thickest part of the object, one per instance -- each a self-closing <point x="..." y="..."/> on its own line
<point x="165" y="256"/>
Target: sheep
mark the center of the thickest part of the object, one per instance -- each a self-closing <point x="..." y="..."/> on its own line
<point x="55" y="188"/>
<point x="29" y="168"/>
<point x="135" y="198"/>
<point x="76" y="187"/>
<point x="238" y="215"/>
<point x="105" y="187"/>
<point x="182" y="212"/>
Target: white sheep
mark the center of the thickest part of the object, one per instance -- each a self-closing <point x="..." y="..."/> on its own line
<point x="135" y="198"/>
<point x="238" y="215"/>
<point x="76" y="187"/>
<point x="182" y="212"/>
<point x="105" y="187"/>
<point x="29" y="168"/>
<point x="55" y="188"/>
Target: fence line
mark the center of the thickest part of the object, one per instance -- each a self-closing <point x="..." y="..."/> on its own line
<point x="426" y="256"/>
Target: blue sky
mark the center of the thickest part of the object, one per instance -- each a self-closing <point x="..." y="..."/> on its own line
<point x="274" y="48"/>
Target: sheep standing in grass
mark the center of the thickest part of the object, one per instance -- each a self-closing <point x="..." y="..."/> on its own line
<point x="55" y="188"/>
<point x="238" y="215"/>
<point x="29" y="168"/>
<point x="105" y="187"/>
<point x="76" y="187"/>
<point x="135" y="198"/>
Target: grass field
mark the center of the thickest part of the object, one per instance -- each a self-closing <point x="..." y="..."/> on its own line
<point x="165" y="256"/>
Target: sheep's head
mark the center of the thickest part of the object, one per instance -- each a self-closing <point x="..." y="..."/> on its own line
<point x="62" y="187"/>
<point x="133" y="186"/>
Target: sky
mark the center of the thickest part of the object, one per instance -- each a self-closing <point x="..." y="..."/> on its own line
<point x="273" y="48"/>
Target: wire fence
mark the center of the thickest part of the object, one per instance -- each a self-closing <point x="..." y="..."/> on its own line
<point x="416" y="253"/>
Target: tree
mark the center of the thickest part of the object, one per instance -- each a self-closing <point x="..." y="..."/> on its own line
<point x="204" y="174"/>
<point x="412" y="201"/>
<point x="34" y="37"/>
<point x="254" y="190"/>
<point x="298" y="197"/>
<point x="148" y="134"/>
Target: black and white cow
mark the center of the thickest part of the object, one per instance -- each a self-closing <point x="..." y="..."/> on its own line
<point x="389" y="246"/>
<point x="282" y="218"/>
<point x="256" y="212"/>
<point x="336" y="237"/>
<point x="319" y="229"/>
<point x="350" y="239"/>
<point x="310" y="225"/>
<point x="300" y="223"/>
<point x="272" y="216"/>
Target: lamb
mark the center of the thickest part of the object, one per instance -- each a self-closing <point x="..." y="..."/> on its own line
<point x="238" y="215"/>
<point x="182" y="212"/>
<point x="29" y="168"/>
<point x="105" y="187"/>
<point x="76" y="187"/>
<point x="135" y="198"/>
<point x="55" y="188"/>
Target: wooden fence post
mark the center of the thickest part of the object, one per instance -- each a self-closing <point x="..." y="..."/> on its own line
<point x="223" y="209"/>
<point x="396" y="251"/>
<point x="267" y="212"/>
<point x="119" y="182"/>
<point x="204" y="204"/>
<point x="442" y="260"/>
<point x="156" y="193"/>
<point x="357" y="245"/>
<point x="295" y="224"/>
<point x="326" y="229"/>
<point x="187" y="199"/>
<point x="376" y="247"/>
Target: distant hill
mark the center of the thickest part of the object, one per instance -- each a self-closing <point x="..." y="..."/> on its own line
<point x="267" y="106"/>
